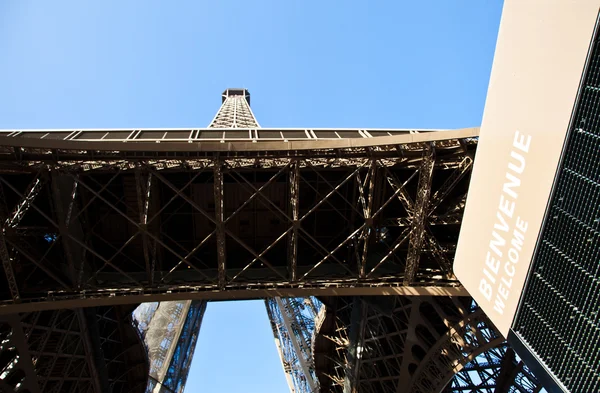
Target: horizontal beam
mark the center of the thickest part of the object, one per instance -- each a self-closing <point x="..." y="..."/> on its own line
<point x="216" y="295"/>
<point x="236" y="146"/>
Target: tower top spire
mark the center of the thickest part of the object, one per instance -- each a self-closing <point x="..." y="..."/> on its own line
<point x="235" y="111"/>
<point x="236" y="92"/>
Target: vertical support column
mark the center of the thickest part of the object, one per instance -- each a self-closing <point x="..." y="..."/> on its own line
<point x="11" y="221"/>
<point x="24" y="362"/>
<point x="287" y="321"/>
<point x="295" y="210"/>
<point x="90" y="335"/>
<point x="8" y="270"/>
<point x="143" y="199"/>
<point x="367" y="211"/>
<point x="218" y="190"/>
<point x="277" y="334"/>
<point x="358" y="321"/>
<point x="420" y="213"/>
<point x="61" y="183"/>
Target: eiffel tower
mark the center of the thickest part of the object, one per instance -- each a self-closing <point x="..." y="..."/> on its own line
<point x="348" y="234"/>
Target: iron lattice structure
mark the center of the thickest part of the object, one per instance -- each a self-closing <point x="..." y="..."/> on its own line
<point x="102" y="218"/>
<point x="497" y="370"/>
<point x="170" y="332"/>
<point x="82" y="350"/>
<point x="134" y="221"/>
<point x="293" y="325"/>
<point x="414" y="344"/>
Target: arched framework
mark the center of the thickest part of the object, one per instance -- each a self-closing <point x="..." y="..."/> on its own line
<point x="420" y="345"/>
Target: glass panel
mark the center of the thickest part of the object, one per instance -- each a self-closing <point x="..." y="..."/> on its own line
<point x="151" y="135"/>
<point x="294" y="134"/>
<point x="90" y="135"/>
<point x="178" y="134"/>
<point x="349" y="134"/>
<point x="57" y="135"/>
<point x="269" y="134"/>
<point x="326" y="134"/>
<point x="237" y="135"/>
<point x="117" y="134"/>
<point x="211" y="135"/>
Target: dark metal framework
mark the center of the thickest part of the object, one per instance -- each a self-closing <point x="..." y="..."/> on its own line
<point x="82" y="350"/>
<point x="293" y="325"/>
<point x="170" y="331"/>
<point x="413" y="344"/>
<point x="206" y="224"/>
<point x="99" y="218"/>
<point x="498" y="370"/>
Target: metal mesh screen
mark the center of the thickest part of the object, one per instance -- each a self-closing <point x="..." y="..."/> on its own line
<point x="558" y="318"/>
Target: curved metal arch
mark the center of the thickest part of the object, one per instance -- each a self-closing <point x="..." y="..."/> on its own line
<point x="463" y="342"/>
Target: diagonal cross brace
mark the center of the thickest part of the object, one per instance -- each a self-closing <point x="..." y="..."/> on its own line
<point x="143" y="201"/>
<point x="22" y="207"/>
<point x="419" y="214"/>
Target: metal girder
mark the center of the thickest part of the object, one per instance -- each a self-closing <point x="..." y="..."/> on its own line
<point x="59" y="201"/>
<point x="335" y="193"/>
<point x="218" y="191"/>
<point x="152" y="236"/>
<point x="8" y="269"/>
<point x="112" y="298"/>
<point x="47" y="370"/>
<point x="277" y="334"/>
<point x="93" y="350"/>
<point x="23" y="205"/>
<point x="23" y="361"/>
<point x="438" y="253"/>
<point x="294" y="184"/>
<point x="367" y="205"/>
<point x="66" y="233"/>
<point x="400" y="190"/>
<point x="291" y="331"/>
<point x="463" y="168"/>
<point x="508" y="371"/>
<point x="293" y="325"/>
<point x="143" y="186"/>
<point x="23" y="249"/>
<point x="356" y="336"/>
<point x="419" y="214"/>
<point x="214" y="221"/>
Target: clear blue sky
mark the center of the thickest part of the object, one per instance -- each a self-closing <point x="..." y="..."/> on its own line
<point x="75" y="64"/>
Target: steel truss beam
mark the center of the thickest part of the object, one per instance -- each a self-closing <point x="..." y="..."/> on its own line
<point x="113" y="298"/>
<point x="331" y="238"/>
<point x="419" y="213"/>
<point x="364" y="251"/>
<point x="219" y="222"/>
<point x="294" y="185"/>
<point x="293" y="324"/>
